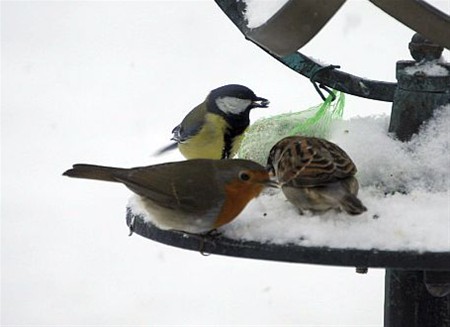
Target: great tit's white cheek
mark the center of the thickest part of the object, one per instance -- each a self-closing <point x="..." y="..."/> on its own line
<point x="231" y="105"/>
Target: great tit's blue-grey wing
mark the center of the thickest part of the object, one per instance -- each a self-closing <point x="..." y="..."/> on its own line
<point x="191" y="124"/>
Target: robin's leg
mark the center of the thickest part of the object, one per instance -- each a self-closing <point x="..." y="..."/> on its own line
<point x="204" y="238"/>
<point x="131" y="226"/>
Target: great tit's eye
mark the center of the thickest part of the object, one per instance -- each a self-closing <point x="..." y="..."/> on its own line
<point x="244" y="176"/>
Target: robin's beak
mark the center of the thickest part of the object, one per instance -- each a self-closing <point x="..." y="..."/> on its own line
<point x="260" y="103"/>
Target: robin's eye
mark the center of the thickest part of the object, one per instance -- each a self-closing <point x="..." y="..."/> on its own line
<point x="244" y="176"/>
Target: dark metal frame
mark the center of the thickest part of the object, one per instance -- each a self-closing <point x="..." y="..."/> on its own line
<point x="336" y="79"/>
<point x="290" y="252"/>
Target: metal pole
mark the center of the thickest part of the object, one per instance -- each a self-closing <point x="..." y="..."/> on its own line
<point x="409" y="303"/>
<point x="417" y="298"/>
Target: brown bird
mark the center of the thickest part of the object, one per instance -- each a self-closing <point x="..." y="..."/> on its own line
<point x="315" y="175"/>
<point x="193" y="196"/>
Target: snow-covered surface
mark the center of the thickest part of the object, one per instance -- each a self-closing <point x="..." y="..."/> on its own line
<point x="259" y="11"/>
<point x="415" y="219"/>
<point x="104" y="82"/>
<point x="427" y="68"/>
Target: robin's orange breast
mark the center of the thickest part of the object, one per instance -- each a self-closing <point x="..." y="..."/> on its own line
<point x="238" y="194"/>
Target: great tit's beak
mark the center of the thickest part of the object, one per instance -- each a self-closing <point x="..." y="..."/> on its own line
<point x="259" y="102"/>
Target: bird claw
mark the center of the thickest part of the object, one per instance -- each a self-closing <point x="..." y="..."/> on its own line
<point x="209" y="237"/>
<point x="204" y="238"/>
<point x="131" y="226"/>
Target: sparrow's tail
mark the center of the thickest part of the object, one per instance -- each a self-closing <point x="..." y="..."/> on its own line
<point x="352" y="205"/>
<point x="102" y="173"/>
<point x="170" y="147"/>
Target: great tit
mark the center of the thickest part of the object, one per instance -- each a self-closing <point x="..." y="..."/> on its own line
<point x="215" y="128"/>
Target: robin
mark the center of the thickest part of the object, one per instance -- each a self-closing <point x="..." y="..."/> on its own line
<point x="194" y="196"/>
<point x="315" y="174"/>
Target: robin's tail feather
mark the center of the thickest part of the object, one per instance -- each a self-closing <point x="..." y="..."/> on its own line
<point x="94" y="172"/>
<point x="170" y="147"/>
<point x="352" y="205"/>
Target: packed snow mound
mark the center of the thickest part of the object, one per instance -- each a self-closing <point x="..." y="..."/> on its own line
<point x="393" y="166"/>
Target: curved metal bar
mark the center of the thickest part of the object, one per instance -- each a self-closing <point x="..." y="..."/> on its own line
<point x="339" y="80"/>
<point x="293" y="253"/>
<point x="294" y="25"/>
<point x="421" y="17"/>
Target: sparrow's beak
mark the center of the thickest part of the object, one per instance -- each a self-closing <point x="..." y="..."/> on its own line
<point x="271" y="183"/>
<point x="260" y="103"/>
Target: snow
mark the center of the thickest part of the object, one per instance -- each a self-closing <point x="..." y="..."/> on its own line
<point x="428" y="68"/>
<point x="259" y="11"/>
<point x="390" y="165"/>
<point x="395" y="222"/>
<point x="405" y="187"/>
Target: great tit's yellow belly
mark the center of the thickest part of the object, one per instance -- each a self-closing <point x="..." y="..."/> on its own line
<point x="209" y="142"/>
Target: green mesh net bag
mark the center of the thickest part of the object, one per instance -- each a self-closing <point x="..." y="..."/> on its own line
<point x="315" y="121"/>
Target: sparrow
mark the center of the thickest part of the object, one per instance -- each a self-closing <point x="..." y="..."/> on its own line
<point x="315" y="174"/>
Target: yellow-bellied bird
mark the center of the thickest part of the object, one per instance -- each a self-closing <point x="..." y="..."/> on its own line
<point x="215" y="128"/>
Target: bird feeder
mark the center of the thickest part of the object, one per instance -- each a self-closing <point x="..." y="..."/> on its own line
<point x="417" y="284"/>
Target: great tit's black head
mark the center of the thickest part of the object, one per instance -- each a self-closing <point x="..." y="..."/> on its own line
<point x="235" y="99"/>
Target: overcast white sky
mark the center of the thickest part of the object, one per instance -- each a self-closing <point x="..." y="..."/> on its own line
<point x="105" y="82"/>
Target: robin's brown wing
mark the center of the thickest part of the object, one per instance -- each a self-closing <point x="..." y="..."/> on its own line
<point x="309" y="161"/>
<point x="188" y="185"/>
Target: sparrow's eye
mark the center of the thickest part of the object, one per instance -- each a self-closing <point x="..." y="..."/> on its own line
<point x="244" y="176"/>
